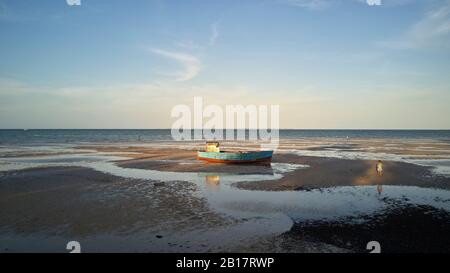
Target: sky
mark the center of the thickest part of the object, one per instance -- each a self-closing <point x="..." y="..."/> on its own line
<point x="328" y="64"/>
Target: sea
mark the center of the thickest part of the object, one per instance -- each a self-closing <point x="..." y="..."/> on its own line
<point x="83" y="136"/>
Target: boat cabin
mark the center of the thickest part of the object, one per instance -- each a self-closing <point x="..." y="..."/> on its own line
<point x="212" y="147"/>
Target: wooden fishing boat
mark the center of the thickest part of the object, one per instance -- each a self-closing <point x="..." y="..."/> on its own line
<point x="213" y="154"/>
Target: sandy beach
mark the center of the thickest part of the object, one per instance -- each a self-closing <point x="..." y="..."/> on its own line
<point x="161" y="199"/>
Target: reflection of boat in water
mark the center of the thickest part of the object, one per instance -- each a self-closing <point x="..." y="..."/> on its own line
<point x="213" y="154"/>
<point x="213" y="179"/>
<point x="213" y="182"/>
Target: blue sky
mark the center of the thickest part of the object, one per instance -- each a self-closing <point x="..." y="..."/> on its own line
<point x="125" y="64"/>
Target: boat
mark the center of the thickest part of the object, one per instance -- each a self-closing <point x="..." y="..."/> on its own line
<point x="213" y="154"/>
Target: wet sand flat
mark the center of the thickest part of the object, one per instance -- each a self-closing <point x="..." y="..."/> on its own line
<point x="405" y="229"/>
<point x="86" y="205"/>
<point x="44" y="208"/>
<point x="332" y="172"/>
<point x="298" y="203"/>
<point x="322" y="172"/>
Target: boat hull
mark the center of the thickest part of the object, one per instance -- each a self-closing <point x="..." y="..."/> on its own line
<point x="236" y="158"/>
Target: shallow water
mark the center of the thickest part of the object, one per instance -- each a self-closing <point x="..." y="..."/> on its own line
<point x="264" y="212"/>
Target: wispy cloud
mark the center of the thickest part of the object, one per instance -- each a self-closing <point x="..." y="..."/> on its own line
<point x="191" y="64"/>
<point x="432" y="30"/>
<point x="214" y="34"/>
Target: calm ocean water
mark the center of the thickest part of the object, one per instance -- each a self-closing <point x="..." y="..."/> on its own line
<point x="76" y="136"/>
